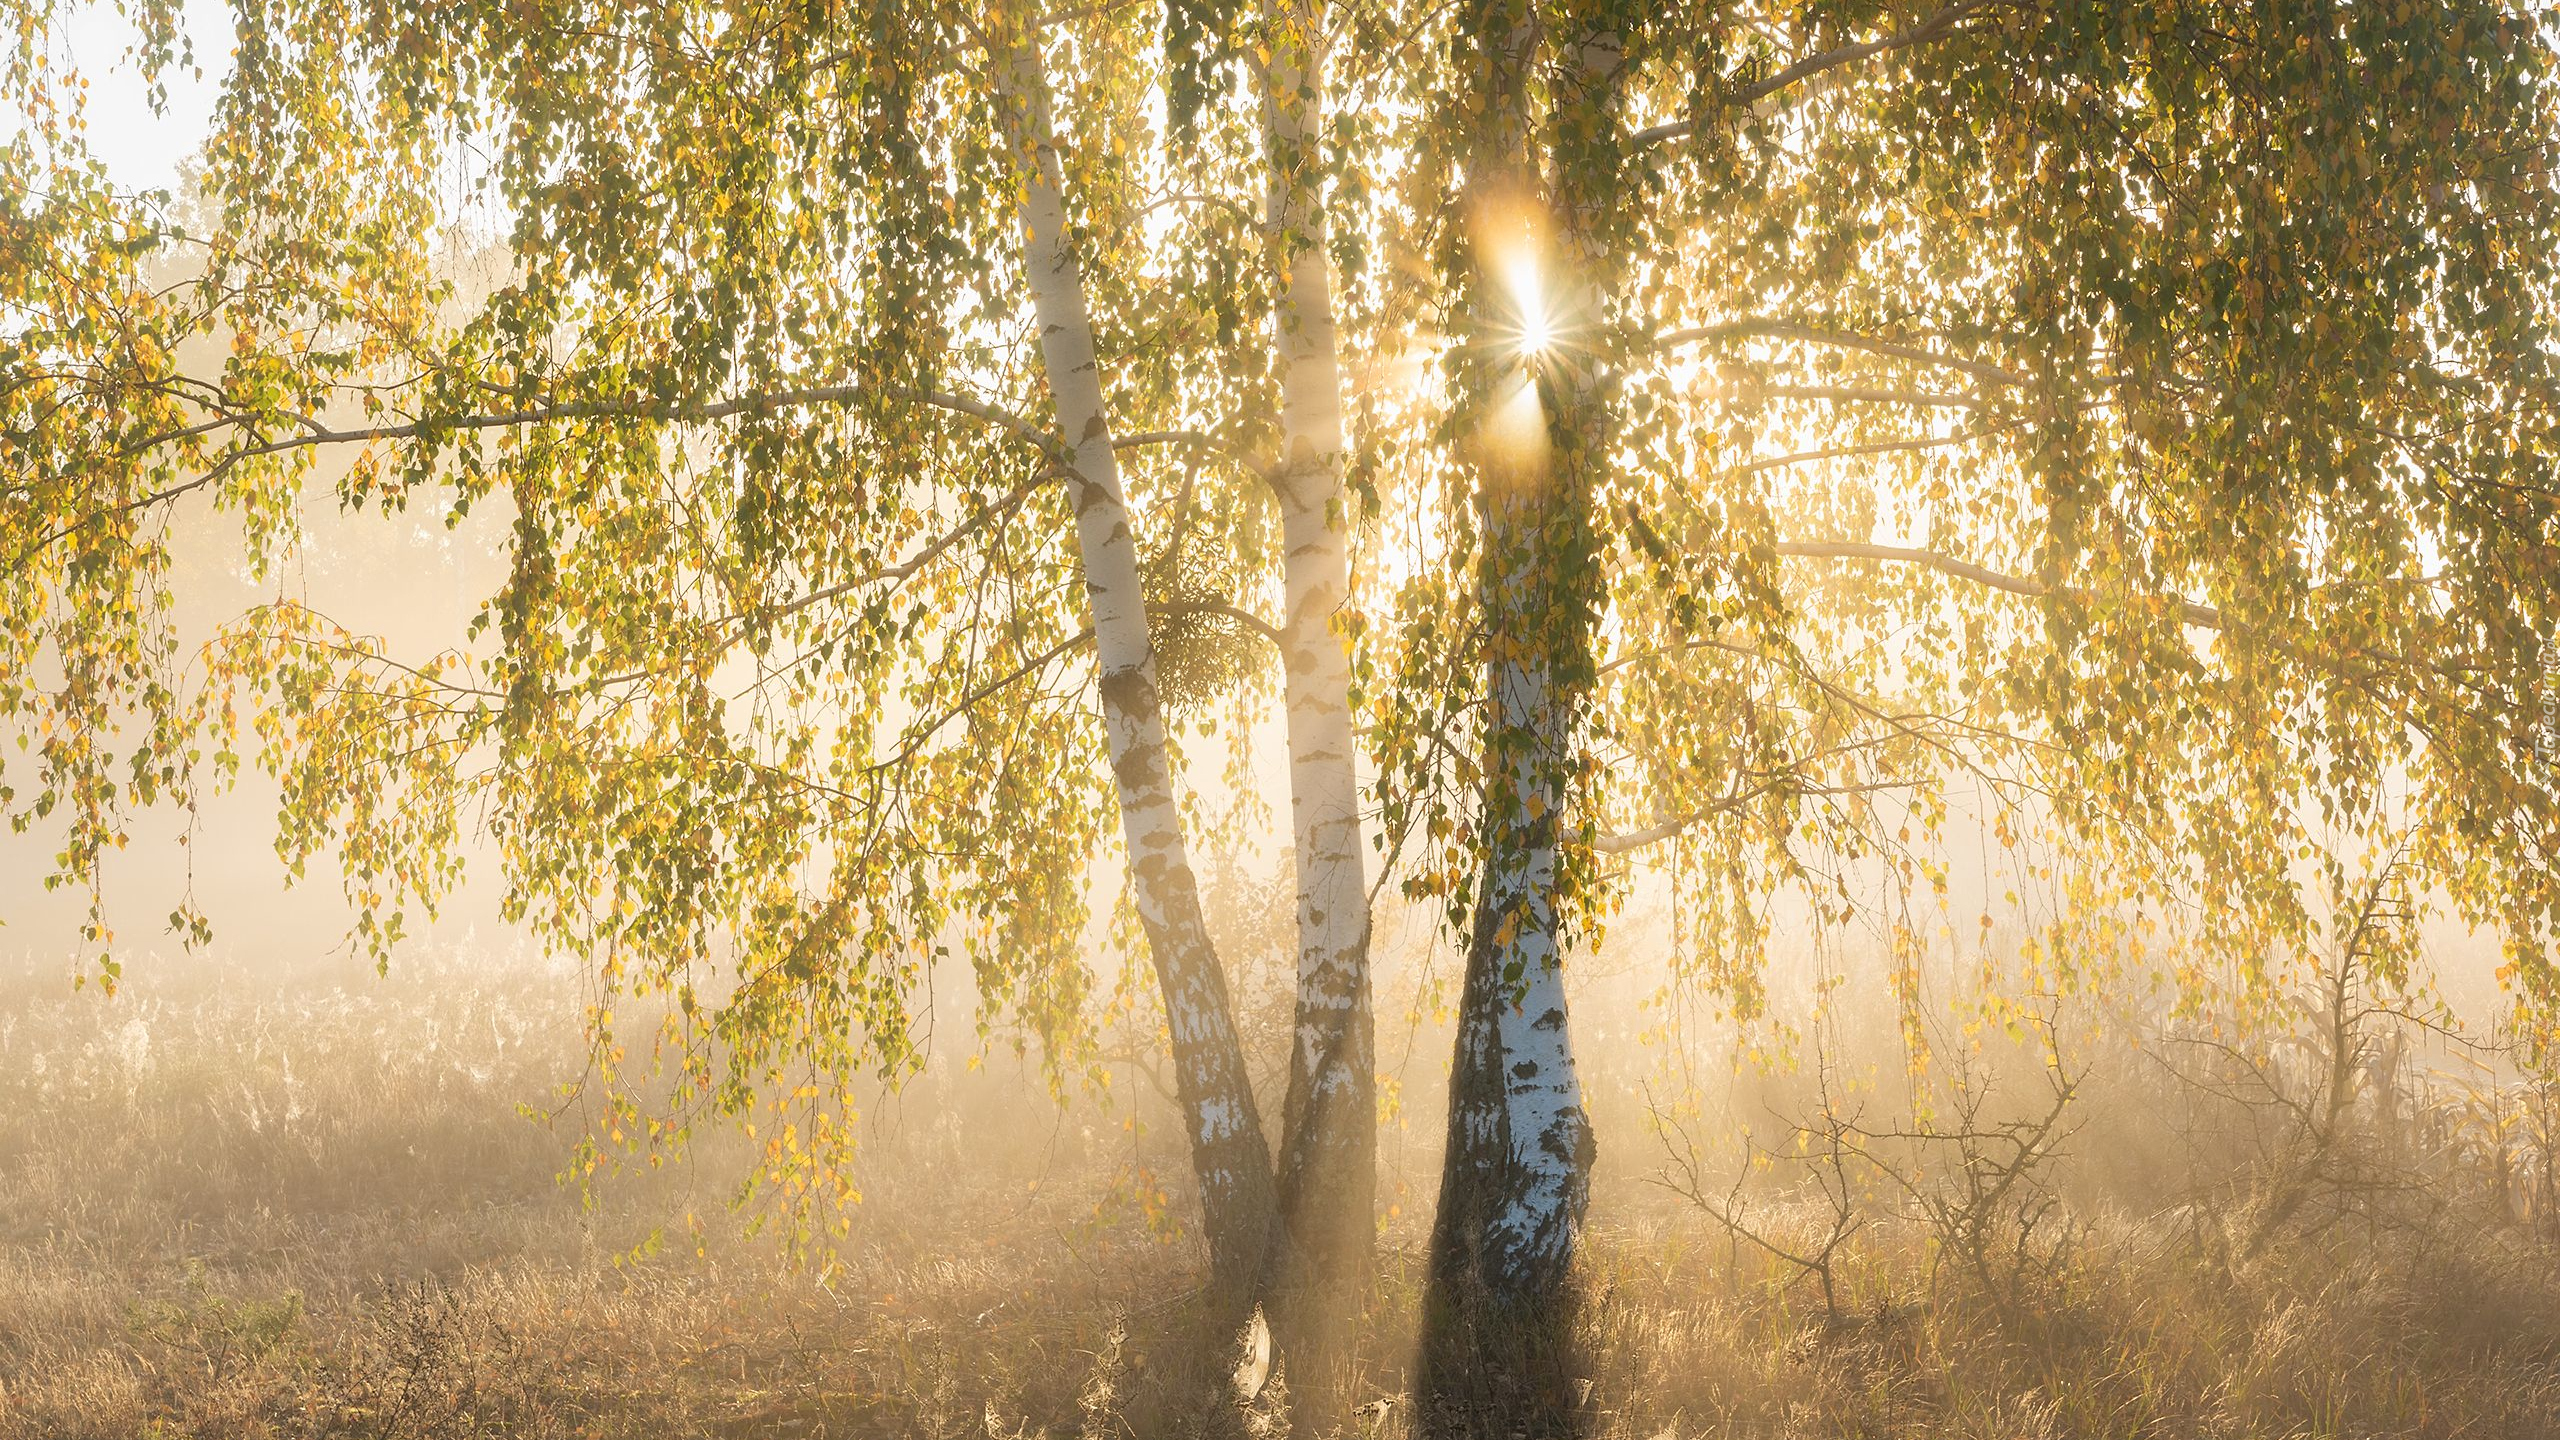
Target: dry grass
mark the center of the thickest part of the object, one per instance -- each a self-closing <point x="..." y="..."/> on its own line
<point x="294" y="1214"/>
<point x="2128" y="1344"/>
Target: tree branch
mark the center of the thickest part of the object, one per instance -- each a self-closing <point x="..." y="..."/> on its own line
<point x="630" y="408"/>
<point x="2203" y="617"/>
<point x="633" y="408"/>
<point x="1620" y="844"/>
<point x="1812" y="65"/>
<point x="906" y="568"/>
<point x="1860" y="395"/>
<point x="1237" y="613"/>
<point x="917" y="738"/>
<point x="1852" y="452"/>
<point x="1258" y="467"/>
<point x="1816" y="335"/>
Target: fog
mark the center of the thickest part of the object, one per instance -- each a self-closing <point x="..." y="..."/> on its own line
<point x="1894" y="432"/>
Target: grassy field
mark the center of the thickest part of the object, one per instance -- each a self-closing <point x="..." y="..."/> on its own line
<point x="305" y="1211"/>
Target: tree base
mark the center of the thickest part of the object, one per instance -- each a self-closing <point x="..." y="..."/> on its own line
<point x="1502" y="1367"/>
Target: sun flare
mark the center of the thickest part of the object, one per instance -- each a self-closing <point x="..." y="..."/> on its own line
<point x="1529" y="301"/>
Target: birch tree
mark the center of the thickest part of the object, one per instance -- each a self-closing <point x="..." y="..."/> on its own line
<point x="1328" y="1156"/>
<point x="2123" y="429"/>
<point x="1230" y="1154"/>
<point x="2126" y="428"/>
<point x="753" y="389"/>
<point x="2170" y="388"/>
<point x="1539" y="264"/>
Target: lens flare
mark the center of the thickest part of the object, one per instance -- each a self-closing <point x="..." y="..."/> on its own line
<point x="1529" y="301"/>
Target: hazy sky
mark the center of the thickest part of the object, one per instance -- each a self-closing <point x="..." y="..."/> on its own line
<point x="141" y="149"/>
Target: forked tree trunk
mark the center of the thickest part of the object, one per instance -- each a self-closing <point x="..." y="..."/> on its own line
<point x="1229" y="1156"/>
<point x="1499" y="1322"/>
<point x="1328" y="1145"/>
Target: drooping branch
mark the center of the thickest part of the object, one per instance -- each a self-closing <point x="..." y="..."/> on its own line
<point x="317" y="435"/>
<point x="1943" y="733"/>
<point x="916" y="739"/>
<point x="2352" y="667"/>
<point x="1260" y="467"/>
<point x="1854" y="452"/>
<point x="893" y="574"/>
<point x="907" y="568"/>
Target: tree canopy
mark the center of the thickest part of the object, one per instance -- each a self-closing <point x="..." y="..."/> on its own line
<point x="2129" y="428"/>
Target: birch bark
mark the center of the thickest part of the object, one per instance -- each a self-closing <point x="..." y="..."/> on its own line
<point x="1328" y="1177"/>
<point x="1499" y="1322"/>
<point x="1230" y="1157"/>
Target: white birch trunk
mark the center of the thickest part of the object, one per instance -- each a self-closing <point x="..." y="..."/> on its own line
<point x="1499" y="1325"/>
<point x="1533" y="1231"/>
<point x="1532" y="1228"/>
<point x="1333" y="917"/>
<point x="1230" y="1157"/>
<point x="1499" y="1322"/>
<point x="1328" y="1178"/>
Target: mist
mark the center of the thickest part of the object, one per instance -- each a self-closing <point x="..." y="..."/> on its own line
<point x="1515" y="721"/>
